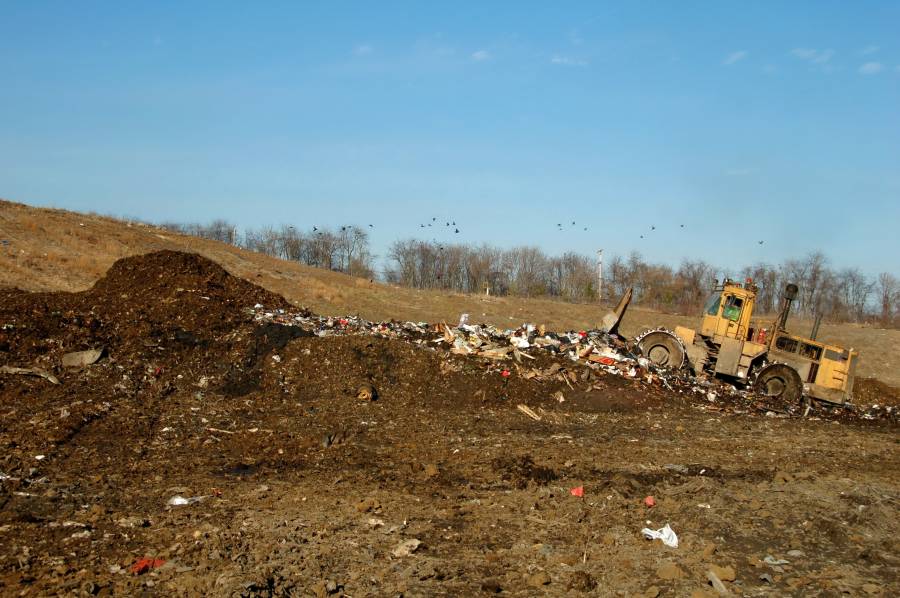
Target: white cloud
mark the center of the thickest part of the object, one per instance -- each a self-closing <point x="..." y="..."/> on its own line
<point x="870" y="49"/>
<point x="871" y="68"/>
<point x="735" y="57"/>
<point x="363" y="50"/>
<point x="812" y="55"/>
<point x="481" y="55"/>
<point x="567" y="61"/>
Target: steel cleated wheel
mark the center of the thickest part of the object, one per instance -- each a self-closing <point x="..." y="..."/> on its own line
<point x="662" y="348"/>
<point x="780" y="381"/>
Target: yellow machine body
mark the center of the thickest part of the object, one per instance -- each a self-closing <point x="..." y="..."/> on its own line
<point x="826" y="370"/>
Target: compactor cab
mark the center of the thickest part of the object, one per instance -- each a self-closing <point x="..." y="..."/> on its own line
<point x="728" y="311"/>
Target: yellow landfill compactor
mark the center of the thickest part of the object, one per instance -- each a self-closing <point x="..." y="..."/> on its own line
<point x="775" y="362"/>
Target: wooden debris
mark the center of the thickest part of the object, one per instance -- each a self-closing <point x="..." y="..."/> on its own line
<point x="6" y="369"/>
<point x="528" y="411"/>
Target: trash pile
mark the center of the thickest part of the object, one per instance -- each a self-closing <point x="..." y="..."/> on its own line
<point x="597" y="350"/>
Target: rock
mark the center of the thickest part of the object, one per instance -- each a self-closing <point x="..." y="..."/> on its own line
<point x="541" y="578"/>
<point x="669" y="570"/>
<point x="871" y="588"/>
<point x="795" y="553"/>
<point x="431" y="470"/>
<point x="651" y="592"/>
<point x="368" y="504"/>
<point x="723" y="573"/>
<point x="366" y="392"/>
<point x="79" y="359"/>
<point x="766" y="577"/>
<point x="406" y="548"/>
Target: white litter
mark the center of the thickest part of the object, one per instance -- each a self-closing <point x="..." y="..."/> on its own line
<point x="666" y="534"/>
<point x="177" y="501"/>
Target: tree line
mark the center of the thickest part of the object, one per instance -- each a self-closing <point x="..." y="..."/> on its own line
<point x="845" y="294"/>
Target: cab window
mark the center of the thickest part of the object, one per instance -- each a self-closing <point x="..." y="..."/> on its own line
<point x="712" y="304"/>
<point x="732" y="309"/>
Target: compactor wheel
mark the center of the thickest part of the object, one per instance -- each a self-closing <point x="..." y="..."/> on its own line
<point x="662" y="348"/>
<point x="780" y="381"/>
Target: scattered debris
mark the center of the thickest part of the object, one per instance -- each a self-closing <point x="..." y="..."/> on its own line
<point x="177" y="501"/>
<point x="666" y="534"/>
<point x="6" y="369"/>
<point x="529" y="412"/>
<point x="80" y="359"/>
<point x="145" y="564"/>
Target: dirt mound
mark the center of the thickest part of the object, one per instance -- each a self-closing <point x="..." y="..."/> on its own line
<point x="141" y="302"/>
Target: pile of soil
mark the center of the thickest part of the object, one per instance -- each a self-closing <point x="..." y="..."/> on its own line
<point x="295" y="486"/>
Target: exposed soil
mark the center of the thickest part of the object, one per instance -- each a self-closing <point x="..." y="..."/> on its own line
<point x="301" y="488"/>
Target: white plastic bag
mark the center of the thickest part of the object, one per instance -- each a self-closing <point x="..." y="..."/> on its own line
<point x="666" y="534"/>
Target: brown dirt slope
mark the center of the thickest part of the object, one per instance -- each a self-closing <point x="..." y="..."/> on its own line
<point x="57" y="250"/>
<point x="300" y="488"/>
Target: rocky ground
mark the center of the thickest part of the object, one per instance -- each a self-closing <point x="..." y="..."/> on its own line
<point x="439" y="486"/>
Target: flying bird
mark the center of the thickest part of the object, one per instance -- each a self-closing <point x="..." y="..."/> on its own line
<point x="370" y="226"/>
<point x="457" y="230"/>
<point x="652" y="228"/>
<point x="315" y="229"/>
<point x="760" y="242"/>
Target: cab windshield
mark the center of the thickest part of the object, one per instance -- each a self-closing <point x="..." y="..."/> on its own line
<point x="712" y="304"/>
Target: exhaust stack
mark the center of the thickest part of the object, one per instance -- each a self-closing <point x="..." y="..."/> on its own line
<point x="790" y="293"/>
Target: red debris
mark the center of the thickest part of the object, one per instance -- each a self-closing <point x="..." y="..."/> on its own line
<point x="650" y="501"/>
<point x="145" y="564"/>
<point x="505" y="373"/>
<point x="577" y="491"/>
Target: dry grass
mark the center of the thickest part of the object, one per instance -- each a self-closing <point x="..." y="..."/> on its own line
<point x="56" y="250"/>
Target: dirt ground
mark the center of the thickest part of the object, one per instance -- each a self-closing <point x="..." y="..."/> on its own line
<point x="441" y="486"/>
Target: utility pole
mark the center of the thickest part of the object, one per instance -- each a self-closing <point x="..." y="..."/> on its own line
<point x="599" y="276"/>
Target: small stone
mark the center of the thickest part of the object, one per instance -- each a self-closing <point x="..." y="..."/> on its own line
<point x="541" y="578"/>
<point x="871" y="588"/>
<point x="368" y="504"/>
<point x="651" y="592"/>
<point x="431" y="470"/>
<point x="796" y="553"/>
<point x="406" y="548"/>
<point x="723" y="573"/>
<point x="669" y="570"/>
<point x="766" y="578"/>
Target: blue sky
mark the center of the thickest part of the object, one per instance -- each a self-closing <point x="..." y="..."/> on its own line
<point x="743" y="121"/>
